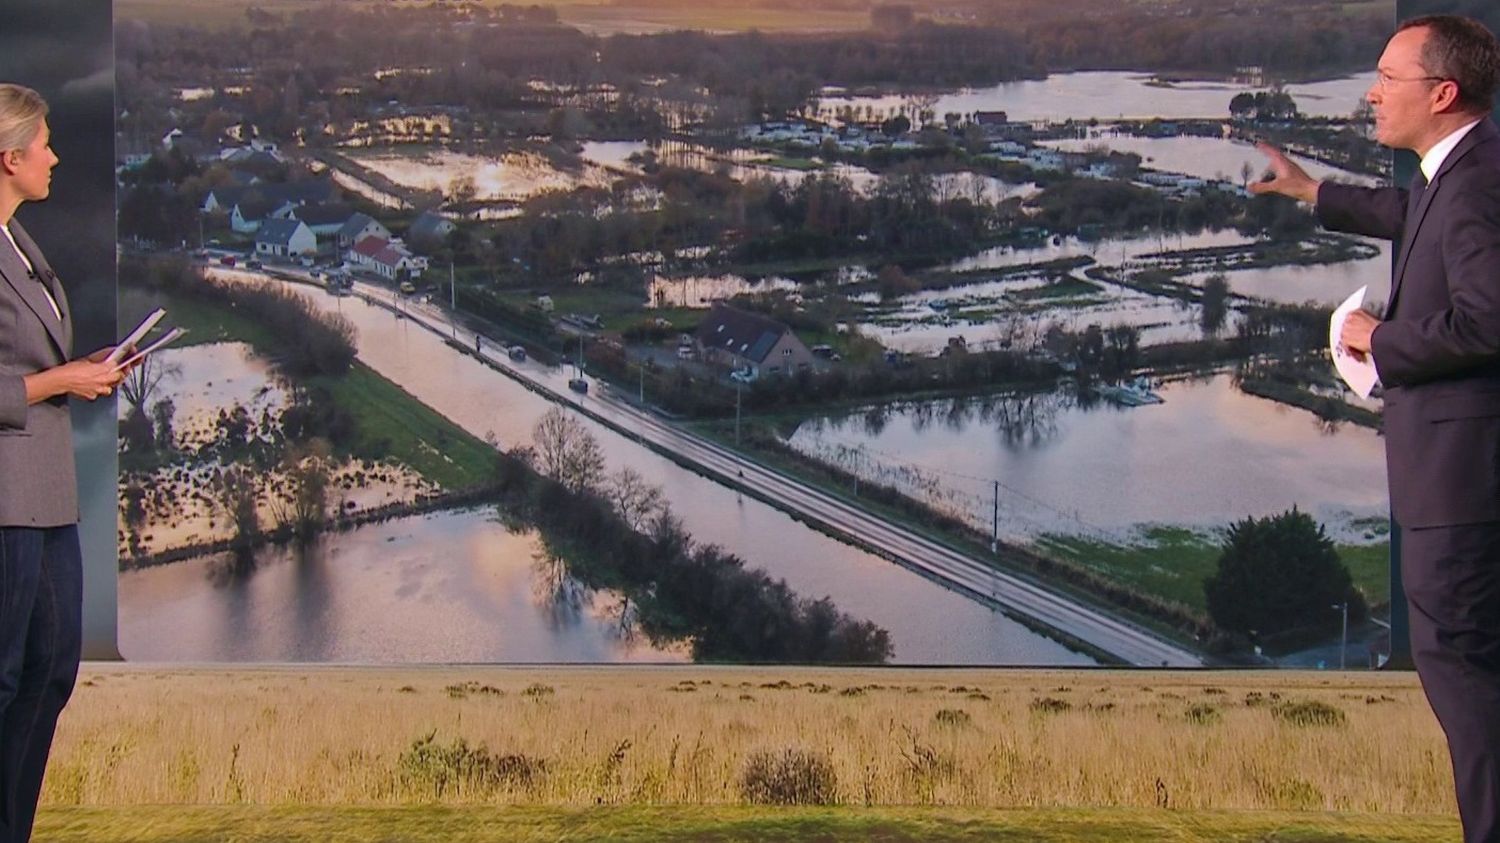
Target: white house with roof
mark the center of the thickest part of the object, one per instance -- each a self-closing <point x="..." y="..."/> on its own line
<point x="249" y="214"/>
<point x="389" y="259"/>
<point x="325" y="219"/>
<point x="285" y="239"/>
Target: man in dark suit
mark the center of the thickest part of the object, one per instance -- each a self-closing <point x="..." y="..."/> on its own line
<point x="1437" y="352"/>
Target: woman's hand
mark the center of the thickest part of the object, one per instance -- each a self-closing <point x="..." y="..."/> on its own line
<point x="87" y="378"/>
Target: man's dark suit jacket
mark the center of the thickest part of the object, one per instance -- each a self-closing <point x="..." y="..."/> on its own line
<point x="38" y="484"/>
<point x="1438" y="350"/>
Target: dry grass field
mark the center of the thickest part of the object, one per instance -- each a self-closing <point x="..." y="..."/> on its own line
<point x="713" y="736"/>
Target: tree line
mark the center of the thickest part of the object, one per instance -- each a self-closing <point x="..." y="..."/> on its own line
<point x="617" y="533"/>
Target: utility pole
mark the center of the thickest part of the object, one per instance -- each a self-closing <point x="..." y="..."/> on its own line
<point x="643" y="382"/>
<point x="737" y="389"/>
<point x="452" y="303"/>
<point x="1344" y="638"/>
<point x="995" y="534"/>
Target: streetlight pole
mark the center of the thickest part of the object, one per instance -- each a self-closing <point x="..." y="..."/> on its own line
<point x="1344" y="638"/>
<point x="738" y="387"/>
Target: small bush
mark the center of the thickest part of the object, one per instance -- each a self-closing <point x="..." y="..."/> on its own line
<point x="788" y="777"/>
<point x="1203" y="714"/>
<point x="1309" y="713"/>
<point x="1293" y="795"/>
<point x="537" y="691"/>
<point x="955" y="717"/>
<point x="458" y="769"/>
<point x="1050" y="705"/>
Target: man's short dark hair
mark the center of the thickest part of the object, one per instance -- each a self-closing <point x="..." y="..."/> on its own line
<point x="1464" y="50"/>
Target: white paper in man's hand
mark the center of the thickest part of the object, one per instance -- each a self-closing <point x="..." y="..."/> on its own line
<point x="1359" y="374"/>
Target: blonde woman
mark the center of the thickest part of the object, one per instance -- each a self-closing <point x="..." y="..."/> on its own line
<point x="40" y="561"/>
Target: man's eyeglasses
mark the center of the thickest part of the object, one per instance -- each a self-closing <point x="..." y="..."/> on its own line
<point x="1385" y="80"/>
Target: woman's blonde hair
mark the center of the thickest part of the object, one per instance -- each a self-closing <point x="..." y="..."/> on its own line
<point x="21" y="113"/>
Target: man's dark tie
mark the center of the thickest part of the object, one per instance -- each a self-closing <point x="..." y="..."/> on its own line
<point x="1418" y="187"/>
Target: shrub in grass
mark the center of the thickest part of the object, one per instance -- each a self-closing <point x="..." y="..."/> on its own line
<point x="1309" y="713"/>
<point x="1050" y="705"/>
<point x="955" y="717"/>
<point x="1203" y="714"/>
<point x="788" y="776"/>
<point x="458" y="769"/>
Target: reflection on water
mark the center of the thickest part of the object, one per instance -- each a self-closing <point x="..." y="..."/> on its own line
<point x="1108" y="94"/>
<point x="455" y="586"/>
<point x="1205" y="158"/>
<point x="1208" y="456"/>
<point x="459" y="574"/>
<point x="513" y="177"/>
<point x="703" y="291"/>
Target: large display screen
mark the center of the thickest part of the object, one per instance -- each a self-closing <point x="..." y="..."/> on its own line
<point x="935" y="332"/>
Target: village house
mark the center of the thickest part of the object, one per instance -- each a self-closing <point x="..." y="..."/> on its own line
<point x="389" y="259"/>
<point x="429" y="231"/>
<point x="249" y="214"/>
<point x="750" y="342"/>
<point x="285" y="239"/>
<point x="358" y="227"/>
<point x="325" y="219"/>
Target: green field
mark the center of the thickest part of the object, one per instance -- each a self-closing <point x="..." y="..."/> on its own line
<point x="1173" y="562"/>
<point x="243" y="824"/>
<point x="415" y="434"/>
<point x="389" y="419"/>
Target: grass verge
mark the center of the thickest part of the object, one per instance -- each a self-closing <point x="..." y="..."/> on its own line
<point x="390" y="421"/>
<point x="1173" y="562"/>
<point x="181" y="824"/>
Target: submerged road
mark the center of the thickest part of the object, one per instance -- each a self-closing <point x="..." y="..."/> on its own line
<point x="961" y="572"/>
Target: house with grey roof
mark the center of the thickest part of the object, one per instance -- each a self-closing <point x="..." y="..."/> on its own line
<point x="429" y="231"/>
<point x="358" y="227"/>
<point x="285" y="239"/>
<point x="249" y="213"/>
<point x="749" y="341"/>
<point x="325" y="219"/>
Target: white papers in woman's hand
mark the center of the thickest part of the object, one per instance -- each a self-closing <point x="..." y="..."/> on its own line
<point x="135" y="336"/>
<point x="160" y="341"/>
<point x="1359" y="374"/>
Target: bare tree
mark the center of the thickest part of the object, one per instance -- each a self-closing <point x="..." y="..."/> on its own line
<point x="567" y="452"/>
<point x="144" y="380"/>
<point x="636" y="500"/>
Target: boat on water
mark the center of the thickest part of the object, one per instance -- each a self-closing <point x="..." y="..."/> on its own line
<point x="1135" y="393"/>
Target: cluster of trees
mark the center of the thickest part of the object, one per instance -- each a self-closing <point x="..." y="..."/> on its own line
<point x="481" y="60"/>
<point x="618" y="534"/>
<point x="1273" y="105"/>
<point x="297" y="446"/>
<point x="1280" y="575"/>
<point x="308" y="343"/>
